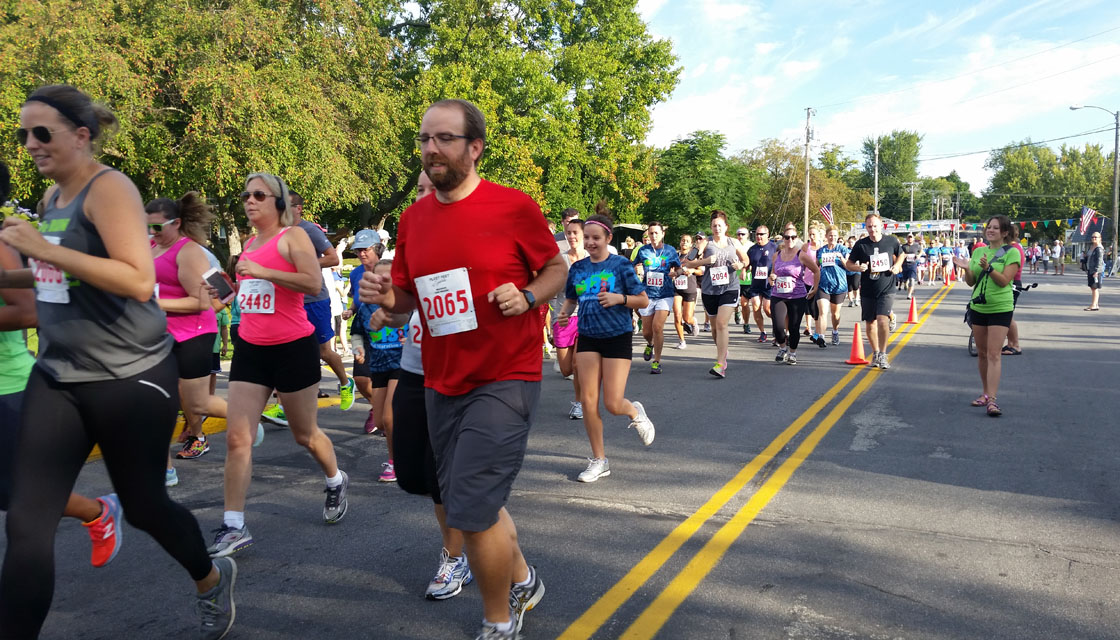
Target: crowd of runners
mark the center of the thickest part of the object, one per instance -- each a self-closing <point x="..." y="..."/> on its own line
<point x="132" y="311"/>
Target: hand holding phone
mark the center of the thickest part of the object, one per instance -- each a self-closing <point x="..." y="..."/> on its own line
<point x="221" y="287"/>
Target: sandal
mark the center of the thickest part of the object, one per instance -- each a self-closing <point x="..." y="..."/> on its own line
<point x="1092" y="308"/>
<point x="1011" y="351"/>
<point x="981" y="401"/>
<point x="993" y="409"/>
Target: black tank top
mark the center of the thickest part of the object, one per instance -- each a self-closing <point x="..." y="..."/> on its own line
<point x="86" y="334"/>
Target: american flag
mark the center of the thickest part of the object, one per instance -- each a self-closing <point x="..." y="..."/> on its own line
<point x="826" y="211"/>
<point x="1087" y="216"/>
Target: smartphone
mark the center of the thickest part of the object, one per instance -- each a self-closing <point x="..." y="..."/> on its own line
<point x="221" y="282"/>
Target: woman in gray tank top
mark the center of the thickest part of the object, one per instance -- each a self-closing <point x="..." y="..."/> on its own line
<point x="105" y="374"/>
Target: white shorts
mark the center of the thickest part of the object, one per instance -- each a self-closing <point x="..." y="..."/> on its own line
<point x="660" y="304"/>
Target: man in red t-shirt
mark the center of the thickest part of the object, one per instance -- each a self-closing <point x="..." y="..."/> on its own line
<point x="482" y="357"/>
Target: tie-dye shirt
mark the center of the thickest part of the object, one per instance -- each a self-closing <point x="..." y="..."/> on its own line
<point x="613" y="275"/>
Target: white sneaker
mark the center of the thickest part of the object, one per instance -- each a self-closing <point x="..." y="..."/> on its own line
<point x="596" y="468"/>
<point x="643" y="424"/>
<point x="576" y="412"/>
<point x="681" y="345"/>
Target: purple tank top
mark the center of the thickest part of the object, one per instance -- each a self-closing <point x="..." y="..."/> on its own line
<point x="790" y="274"/>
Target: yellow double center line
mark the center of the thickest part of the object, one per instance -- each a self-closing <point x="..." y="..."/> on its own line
<point x="662" y="608"/>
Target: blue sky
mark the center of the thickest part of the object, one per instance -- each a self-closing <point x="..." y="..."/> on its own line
<point x="969" y="76"/>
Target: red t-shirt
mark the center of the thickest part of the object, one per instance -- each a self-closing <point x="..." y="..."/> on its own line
<point x="499" y="235"/>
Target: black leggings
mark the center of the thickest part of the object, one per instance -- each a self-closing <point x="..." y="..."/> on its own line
<point x="132" y="420"/>
<point x="413" y="459"/>
<point x="793" y="311"/>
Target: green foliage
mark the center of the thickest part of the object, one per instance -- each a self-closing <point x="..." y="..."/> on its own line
<point x="329" y="94"/>
<point x="695" y="178"/>
<point x="898" y="164"/>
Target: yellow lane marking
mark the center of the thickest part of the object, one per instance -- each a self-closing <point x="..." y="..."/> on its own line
<point x="617" y="595"/>
<point x="211" y="426"/>
<point x="659" y="611"/>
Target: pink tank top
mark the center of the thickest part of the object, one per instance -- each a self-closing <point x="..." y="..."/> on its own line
<point x="288" y="321"/>
<point x="810" y="250"/>
<point x="182" y="326"/>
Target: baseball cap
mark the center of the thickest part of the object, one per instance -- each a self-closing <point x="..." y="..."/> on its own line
<point x="365" y="239"/>
<point x="383" y="234"/>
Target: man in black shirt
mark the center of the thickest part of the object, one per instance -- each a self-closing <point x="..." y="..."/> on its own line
<point x="878" y="258"/>
<point x="910" y="266"/>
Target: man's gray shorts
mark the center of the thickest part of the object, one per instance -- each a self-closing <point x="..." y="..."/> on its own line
<point x="479" y="440"/>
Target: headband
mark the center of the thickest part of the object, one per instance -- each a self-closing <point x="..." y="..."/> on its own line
<point x="65" y="111"/>
<point x="608" y="229"/>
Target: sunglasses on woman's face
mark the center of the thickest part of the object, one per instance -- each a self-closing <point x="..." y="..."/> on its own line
<point x="42" y="134"/>
<point x="259" y="196"/>
<point x="793" y="237"/>
<point x="158" y="226"/>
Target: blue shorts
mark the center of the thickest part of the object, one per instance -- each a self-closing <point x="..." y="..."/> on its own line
<point x="319" y="314"/>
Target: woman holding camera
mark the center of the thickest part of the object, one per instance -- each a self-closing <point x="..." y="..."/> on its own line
<point x="990" y="273"/>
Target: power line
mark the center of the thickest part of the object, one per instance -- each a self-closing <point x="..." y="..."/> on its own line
<point x="946" y="156"/>
<point x="966" y="74"/>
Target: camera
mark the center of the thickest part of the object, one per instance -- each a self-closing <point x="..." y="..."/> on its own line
<point x="980" y="299"/>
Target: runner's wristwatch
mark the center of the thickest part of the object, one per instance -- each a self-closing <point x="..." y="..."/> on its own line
<point x="529" y="298"/>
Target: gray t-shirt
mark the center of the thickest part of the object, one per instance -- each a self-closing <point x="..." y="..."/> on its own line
<point x="725" y="257"/>
<point x="321" y="244"/>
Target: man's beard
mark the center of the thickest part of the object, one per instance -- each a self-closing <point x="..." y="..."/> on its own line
<point x="454" y="172"/>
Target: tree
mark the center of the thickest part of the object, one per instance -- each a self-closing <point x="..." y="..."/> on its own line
<point x="694" y="178"/>
<point x="898" y="164"/>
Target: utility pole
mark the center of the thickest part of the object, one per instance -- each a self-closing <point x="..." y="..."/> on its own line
<point x="1115" y="177"/>
<point x="808" y="136"/>
<point x="876" y="175"/>
<point x="911" y="185"/>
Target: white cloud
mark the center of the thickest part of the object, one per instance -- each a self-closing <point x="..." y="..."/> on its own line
<point x="648" y="8"/>
<point x="763" y="48"/>
<point x="795" y="68"/>
<point x="762" y="82"/>
<point x="721" y="64"/>
<point x="728" y="10"/>
<point x="728" y="109"/>
<point x="700" y="70"/>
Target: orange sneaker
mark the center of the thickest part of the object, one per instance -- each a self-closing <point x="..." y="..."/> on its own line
<point x="104" y="532"/>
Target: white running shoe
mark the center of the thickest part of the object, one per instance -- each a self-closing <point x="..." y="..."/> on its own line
<point x="681" y="345"/>
<point x="576" y="412"/>
<point x="643" y="424"/>
<point x="596" y="468"/>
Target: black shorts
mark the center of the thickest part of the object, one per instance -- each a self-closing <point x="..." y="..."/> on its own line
<point x="712" y="303"/>
<point x="1094" y="281"/>
<point x="873" y="306"/>
<point x="833" y="298"/>
<point x="759" y="290"/>
<point x="620" y="346"/>
<point x="380" y="379"/>
<point x="990" y="319"/>
<point x="745" y="291"/>
<point x="194" y="355"/>
<point x="286" y="367"/>
<point x="686" y="296"/>
<point x="909" y="272"/>
<point x="479" y="440"/>
<point x="412" y="446"/>
<point x="361" y="369"/>
<point x="853" y="281"/>
<point x="215" y="363"/>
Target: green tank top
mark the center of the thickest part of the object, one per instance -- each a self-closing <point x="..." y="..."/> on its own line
<point x="15" y="362"/>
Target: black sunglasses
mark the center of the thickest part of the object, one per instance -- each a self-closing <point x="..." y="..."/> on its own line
<point x="42" y="134"/>
<point x="742" y="233"/>
<point x="259" y="196"/>
<point x="793" y="237"/>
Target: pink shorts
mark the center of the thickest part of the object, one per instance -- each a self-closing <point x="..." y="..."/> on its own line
<point x="565" y="337"/>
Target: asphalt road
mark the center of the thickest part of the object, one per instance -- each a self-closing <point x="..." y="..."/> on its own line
<point x="819" y="501"/>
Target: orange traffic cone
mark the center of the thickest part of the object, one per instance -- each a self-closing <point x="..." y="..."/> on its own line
<point x="857" y="349"/>
<point x="953" y="275"/>
<point x="913" y="319"/>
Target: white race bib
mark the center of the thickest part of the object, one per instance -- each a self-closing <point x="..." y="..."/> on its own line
<point x="680" y="282"/>
<point x="415" y="329"/>
<point x="720" y="276"/>
<point x="655" y="279"/>
<point x="51" y="283"/>
<point x="828" y="259"/>
<point x="880" y="262"/>
<point x="257" y="296"/>
<point x="784" y="284"/>
<point x="910" y="257"/>
<point x="760" y="273"/>
<point x="446" y="302"/>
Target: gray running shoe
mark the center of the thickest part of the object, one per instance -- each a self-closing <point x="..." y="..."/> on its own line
<point x="883" y="364"/>
<point x="835" y="338"/>
<point x="522" y="599"/>
<point x="782" y="353"/>
<point x="892" y="325"/>
<point x="576" y="412"/>
<point x="335" y="507"/>
<point x="216" y="608"/>
<point x="490" y="632"/>
<point x="791" y="358"/>
<point x="453" y="574"/>
<point x="596" y="468"/>
<point x="229" y="540"/>
<point x="643" y="424"/>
